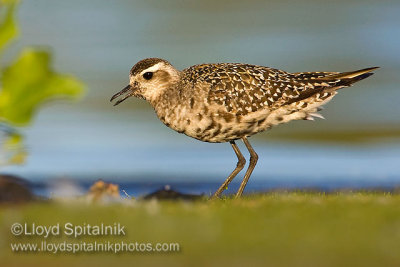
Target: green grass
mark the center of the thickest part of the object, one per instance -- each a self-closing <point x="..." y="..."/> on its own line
<point x="276" y="229"/>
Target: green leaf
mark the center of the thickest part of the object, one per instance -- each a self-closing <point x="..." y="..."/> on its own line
<point x="24" y="86"/>
<point x="8" y="26"/>
<point x="12" y="149"/>
<point x="29" y="82"/>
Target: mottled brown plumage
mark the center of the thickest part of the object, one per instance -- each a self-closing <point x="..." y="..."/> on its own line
<point x="229" y="101"/>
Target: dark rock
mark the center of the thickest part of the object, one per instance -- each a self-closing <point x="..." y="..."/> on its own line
<point x="167" y="193"/>
<point x="14" y="189"/>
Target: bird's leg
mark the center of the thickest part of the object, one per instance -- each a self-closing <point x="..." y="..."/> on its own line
<point x="239" y="166"/>
<point x="253" y="162"/>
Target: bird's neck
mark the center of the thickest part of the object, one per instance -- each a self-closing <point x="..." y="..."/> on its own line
<point x="166" y="100"/>
<point x="168" y="106"/>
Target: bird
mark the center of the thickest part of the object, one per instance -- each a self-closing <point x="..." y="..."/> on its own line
<point x="226" y="102"/>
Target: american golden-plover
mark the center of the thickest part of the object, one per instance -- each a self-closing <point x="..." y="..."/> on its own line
<point x="229" y="101"/>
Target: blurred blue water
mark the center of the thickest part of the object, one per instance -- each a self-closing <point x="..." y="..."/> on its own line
<point x="99" y="41"/>
<point x="120" y="147"/>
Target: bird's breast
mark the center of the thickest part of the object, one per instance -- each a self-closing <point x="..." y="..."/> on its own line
<point x="210" y="125"/>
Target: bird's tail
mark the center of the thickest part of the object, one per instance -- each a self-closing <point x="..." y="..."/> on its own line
<point x="345" y="79"/>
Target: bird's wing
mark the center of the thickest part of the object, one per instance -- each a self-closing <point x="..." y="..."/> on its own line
<point x="243" y="88"/>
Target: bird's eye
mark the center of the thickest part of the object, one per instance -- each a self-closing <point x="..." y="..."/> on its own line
<point x="148" y="75"/>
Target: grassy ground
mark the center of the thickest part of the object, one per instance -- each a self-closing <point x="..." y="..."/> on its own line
<point x="276" y="229"/>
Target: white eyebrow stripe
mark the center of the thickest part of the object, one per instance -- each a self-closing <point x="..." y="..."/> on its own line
<point x="153" y="68"/>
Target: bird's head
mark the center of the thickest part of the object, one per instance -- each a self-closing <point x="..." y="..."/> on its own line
<point x="148" y="79"/>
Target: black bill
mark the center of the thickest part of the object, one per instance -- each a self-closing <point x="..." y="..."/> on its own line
<point x="126" y="92"/>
